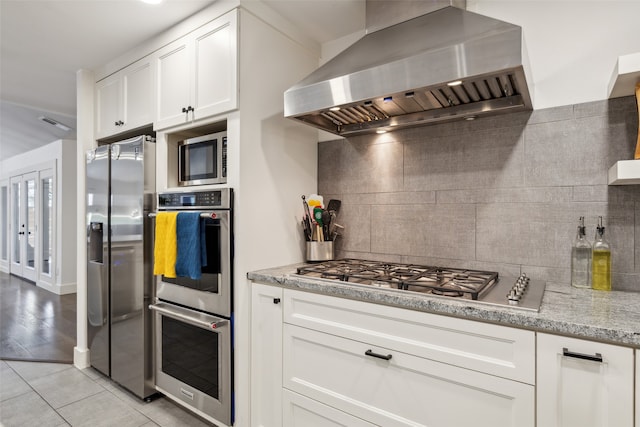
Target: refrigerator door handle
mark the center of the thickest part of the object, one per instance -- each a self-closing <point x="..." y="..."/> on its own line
<point x="115" y="151"/>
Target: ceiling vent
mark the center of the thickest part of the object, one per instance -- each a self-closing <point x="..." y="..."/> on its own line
<point x="55" y="123"/>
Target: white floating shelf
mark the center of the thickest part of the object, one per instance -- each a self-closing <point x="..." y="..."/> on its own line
<point x="625" y="172"/>
<point x="625" y="76"/>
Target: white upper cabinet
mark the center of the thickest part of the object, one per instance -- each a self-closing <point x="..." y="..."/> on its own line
<point x="124" y="100"/>
<point x="583" y="383"/>
<point x="197" y="74"/>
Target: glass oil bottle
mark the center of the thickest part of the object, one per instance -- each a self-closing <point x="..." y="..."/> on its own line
<point x="601" y="261"/>
<point x="581" y="258"/>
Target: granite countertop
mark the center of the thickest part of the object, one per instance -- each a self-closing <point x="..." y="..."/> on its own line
<point x="612" y="317"/>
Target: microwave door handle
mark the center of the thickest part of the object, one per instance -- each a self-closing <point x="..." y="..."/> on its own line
<point x="201" y="320"/>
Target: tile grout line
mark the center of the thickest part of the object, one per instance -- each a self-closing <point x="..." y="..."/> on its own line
<point x="57" y="411"/>
<point x="36" y="392"/>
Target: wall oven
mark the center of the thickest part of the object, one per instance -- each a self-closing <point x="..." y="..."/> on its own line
<point x="193" y="319"/>
<point x="203" y="160"/>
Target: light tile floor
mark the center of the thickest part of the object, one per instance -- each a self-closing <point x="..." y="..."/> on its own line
<point x="57" y="394"/>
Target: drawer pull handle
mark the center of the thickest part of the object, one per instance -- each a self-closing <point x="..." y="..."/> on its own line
<point x="379" y="356"/>
<point x="596" y="358"/>
<point x="276" y="300"/>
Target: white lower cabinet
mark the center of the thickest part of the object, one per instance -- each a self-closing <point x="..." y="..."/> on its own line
<point x="323" y="361"/>
<point x="637" y="388"/>
<point x="266" y="356"/>
<point x="405" y="390"/>
<point x="583" y="383"/>
<point x="300" y="411"/>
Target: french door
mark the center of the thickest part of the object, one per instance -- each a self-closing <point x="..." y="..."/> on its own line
<point x="23" y="225"/>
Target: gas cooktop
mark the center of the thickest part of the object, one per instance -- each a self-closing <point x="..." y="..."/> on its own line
<point x="480" y="286"/>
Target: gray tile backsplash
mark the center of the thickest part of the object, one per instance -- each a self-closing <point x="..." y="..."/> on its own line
<point x="500" y="193"/>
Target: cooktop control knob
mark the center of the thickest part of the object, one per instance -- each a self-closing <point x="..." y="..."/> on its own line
<point x="518" y="289"/>
<point x="513" y="297"/>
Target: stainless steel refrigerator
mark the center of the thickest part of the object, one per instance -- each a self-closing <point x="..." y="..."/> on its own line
<point x="120" y="194"/>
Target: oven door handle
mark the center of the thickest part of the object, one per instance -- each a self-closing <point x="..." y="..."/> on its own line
<point x="195" y="318"/>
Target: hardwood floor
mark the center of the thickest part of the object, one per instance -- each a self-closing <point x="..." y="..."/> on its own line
<point x="35" y="325"/>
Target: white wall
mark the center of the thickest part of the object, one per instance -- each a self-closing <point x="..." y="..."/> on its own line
<point x="276" y="163"/>
<point x="573" y="46"/>
<point x="59" y="156"/>
<point x="85" y="80"/>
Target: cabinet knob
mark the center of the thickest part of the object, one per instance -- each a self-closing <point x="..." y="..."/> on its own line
<point x="276" y="300"/>
<point x="184" y="109"/>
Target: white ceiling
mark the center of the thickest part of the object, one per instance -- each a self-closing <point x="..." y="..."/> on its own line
<point x="44" y="42"/>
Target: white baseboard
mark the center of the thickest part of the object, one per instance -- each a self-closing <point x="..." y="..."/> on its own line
<point x="64" y="289"/>
<point x="81" y="358"/>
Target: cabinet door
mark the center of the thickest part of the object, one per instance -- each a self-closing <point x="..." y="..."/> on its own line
<point x="173" y="83"/>
<point x="138" y="95"/>
<point x="300" y="411"/>
<point x="574" y="391"/>
<point x="266" y="356"/>
<point x="637" y="388"/>
<point x="403" y="390"/>
<point x="108" y="105"/>
<point x="215" y="67"/>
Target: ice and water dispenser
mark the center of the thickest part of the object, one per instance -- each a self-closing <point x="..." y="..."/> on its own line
<point x="96" y="252"/>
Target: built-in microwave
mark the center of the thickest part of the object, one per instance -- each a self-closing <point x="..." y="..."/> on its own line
<point x="203" y="160"/>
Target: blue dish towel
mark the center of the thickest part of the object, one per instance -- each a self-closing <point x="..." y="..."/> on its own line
<point x="190" y="235"/>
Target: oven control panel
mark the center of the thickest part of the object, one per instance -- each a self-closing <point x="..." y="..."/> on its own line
<point x="201" y="199"/>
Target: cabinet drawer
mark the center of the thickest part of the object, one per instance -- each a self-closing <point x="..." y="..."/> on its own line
<point x="493" y="349"/>
<point x="403" y="391"/>
<point x="300" y="411"/>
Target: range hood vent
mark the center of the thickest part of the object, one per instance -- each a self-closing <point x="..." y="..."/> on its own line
<point x="446" y="65"/>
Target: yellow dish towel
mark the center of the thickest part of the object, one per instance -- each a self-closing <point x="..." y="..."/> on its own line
<point x="165" y="249"/>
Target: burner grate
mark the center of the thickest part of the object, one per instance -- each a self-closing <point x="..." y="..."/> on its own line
<point x="453" y="282"/>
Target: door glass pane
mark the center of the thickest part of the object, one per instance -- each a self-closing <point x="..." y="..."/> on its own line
<point x="31" y="222"/>
<point x="4" y="223"/>
<point x="190" y="354"/>
<point x="47" y="224"/>
<point x="15" y="222"/>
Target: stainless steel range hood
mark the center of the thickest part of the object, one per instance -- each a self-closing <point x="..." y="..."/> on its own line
<point x="450" y="64"/>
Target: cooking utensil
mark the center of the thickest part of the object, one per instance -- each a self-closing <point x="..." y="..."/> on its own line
<point x="334" y="205"/>
<point x="306" y="207"/>
<point x="316" y="201"/>
<point x="326" y="222"/>
<point x="306" y="219"/>
<point x="332" y="225"/>
<point x="317" y="215"/>
<point x="336" y="233"/>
